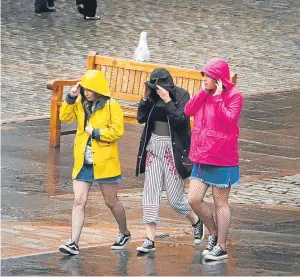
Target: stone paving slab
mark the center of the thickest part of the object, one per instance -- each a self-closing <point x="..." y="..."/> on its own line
<point x="259" y="39"/>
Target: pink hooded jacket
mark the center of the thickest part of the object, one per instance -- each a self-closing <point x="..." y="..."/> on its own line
<point x="215" y="133"/>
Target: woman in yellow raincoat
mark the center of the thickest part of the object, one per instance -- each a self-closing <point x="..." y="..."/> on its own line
<point x="96" y="159"/>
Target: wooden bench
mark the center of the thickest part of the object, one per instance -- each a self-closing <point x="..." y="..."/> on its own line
<point x="126" y="79"/>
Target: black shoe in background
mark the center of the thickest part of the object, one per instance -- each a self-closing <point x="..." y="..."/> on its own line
<point x="44" y="6"/>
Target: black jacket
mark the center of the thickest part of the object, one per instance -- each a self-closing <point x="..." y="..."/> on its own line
<point x="179" y="125"/>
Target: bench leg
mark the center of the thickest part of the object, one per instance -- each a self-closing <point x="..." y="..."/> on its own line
<point x="53" y="170"/>
<point x="55" y="125"/>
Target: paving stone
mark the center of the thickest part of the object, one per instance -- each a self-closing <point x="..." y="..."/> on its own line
<point x="259" y="39"/>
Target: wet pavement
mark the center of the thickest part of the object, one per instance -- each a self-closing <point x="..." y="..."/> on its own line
<point x="260" y="39"/>
<point x="36" y="195"/>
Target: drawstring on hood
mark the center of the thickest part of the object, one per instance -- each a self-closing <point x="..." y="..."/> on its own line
<point x="218" y="69"/>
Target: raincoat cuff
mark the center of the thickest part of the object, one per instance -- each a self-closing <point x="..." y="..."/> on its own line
<point x="96" y="134"/>
<point x="70" y="99"/>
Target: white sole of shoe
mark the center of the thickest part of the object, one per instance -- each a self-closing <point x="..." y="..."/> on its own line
<point x="214" y="258"/>
<point x="210" y="262"/>
<point x="67" y="251"/>
<point x="92" y="18"/>
<point x="145" y="250"/>
<point x="119" y="247"/>
<point x="205" y="252"/>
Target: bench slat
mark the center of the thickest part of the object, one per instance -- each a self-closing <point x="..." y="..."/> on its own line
<point x="147" y="67"/>
<point x="137" y="84"/>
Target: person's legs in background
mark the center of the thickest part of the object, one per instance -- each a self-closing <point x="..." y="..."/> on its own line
<point x="88" y="9"/>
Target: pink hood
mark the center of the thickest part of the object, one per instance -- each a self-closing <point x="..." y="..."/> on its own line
<point x="218" y="69"/>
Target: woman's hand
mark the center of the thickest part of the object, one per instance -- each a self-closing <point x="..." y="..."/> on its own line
<point x="219" y="89"/>
<point x="75" y="90"/>
<point x="89" y="129"/>
<point x="203" y="86"/>
<point x="163" y="94"/>
<point x="146" y="93"/>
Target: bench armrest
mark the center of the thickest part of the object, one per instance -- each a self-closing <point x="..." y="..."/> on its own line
<point x="57" y="87"/>
<point x="51" y="84"/>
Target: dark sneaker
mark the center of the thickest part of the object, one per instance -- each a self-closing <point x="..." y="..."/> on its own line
<point x="121" y="241"/>
<point x="218" y="253"/>
<point x="212" y="242"/>
<point x="198" y="232"/>
<point x="69" y="249"/>
<point x="148" y="246"/>
<point x="96" y="17"/>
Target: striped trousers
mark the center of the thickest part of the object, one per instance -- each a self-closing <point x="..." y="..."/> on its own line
<point x="160" y="169"/>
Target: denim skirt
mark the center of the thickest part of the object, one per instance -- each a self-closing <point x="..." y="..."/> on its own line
<point x="218" y="176"/>
<point x="86" y="174"/>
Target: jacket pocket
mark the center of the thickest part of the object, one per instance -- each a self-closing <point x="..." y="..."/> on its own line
<point x="212" y="142"/>
<point x="102" y="151"/>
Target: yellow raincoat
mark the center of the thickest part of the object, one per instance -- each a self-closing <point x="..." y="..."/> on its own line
<point x="109" y="121"/>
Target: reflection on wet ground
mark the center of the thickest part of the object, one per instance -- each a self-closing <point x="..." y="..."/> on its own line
<point x="246" y="257"/>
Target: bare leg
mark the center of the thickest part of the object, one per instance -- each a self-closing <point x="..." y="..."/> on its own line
<point x="193" y="217"/>
<point x="220" y="196"/>
<point x="110" y="195"/>
<point x="81" y="191"/>
<point x="196" y="194"/>
<point x="150" y="230"/>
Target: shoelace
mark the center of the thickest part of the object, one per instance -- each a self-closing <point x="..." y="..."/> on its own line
<point x="73" y="244"/>
<point x="147" y="243"/>
<point x="197" y="229"/>
<point x="211" y="242"/>
<point x="216" y="250"/>
<point x="119" y="237"/>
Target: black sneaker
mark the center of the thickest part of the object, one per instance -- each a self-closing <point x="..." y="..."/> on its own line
<point x="198" y="232"/>
<point x="148" y="246"/>
<point x="45" y="10"/>
<point x="69" y="249"/>
<point x="218" y="253"/>
<point x="121" y="241"/>
<point x="212" y="242"/>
